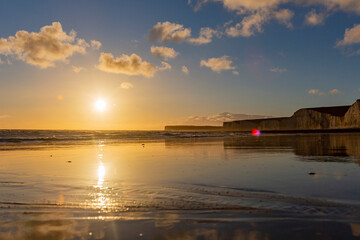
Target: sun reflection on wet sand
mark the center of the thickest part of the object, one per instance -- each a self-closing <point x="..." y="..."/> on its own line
<point x="101" y="175"/>
<point x="101" y="195"/>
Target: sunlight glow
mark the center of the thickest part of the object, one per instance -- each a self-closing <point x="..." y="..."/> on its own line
<point x="100" y="105"/>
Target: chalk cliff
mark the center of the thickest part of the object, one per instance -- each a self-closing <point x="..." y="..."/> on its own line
<point x="323" y="118"/>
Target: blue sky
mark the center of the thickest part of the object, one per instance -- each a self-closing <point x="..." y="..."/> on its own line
<point x="282" y="64"/>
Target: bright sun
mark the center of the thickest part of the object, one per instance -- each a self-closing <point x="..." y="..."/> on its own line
<point x="100" y="105"/>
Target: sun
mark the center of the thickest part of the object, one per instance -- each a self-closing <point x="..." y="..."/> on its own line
<point x="100" y="105"/>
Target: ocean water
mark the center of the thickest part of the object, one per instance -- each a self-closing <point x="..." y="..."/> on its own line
<point x="54" y="136"/>
<point x="178" y="185"/>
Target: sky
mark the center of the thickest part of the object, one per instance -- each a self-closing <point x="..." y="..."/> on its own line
<point x="159" y="62"/>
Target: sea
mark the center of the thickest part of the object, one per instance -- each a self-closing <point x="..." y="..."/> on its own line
<point x="62" y="184"/>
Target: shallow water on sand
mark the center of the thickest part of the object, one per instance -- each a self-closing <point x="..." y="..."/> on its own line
<point x="243" y="187"/>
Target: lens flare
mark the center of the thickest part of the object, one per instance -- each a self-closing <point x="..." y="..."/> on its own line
<point x="255" y="132"/>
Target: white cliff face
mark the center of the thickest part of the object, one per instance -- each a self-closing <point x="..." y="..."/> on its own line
<point x="352" y="117"/>
<point x="309" y="119"/>
<point x="303" y="119"/>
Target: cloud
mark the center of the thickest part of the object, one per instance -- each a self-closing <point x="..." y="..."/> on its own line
<point x="256" y="13"/>
<point x="249" y="25"/>
<point x="164" y="66"/>
<point x="315" y="92"/>
<point x="218" y="64"/>
<point x="43" y="48"/>
<point x="278" y="70"/>
<point x="342" y="5"/>
<point x="4" y="116"/>
<point x="169" y="32"/>
<point x="163" y="52"/>
<point x="351" y="36"/>
<point x="95" y="44"/>
<point x="235" y="73"/>
<point x="313" y="18"/>
<point x="334" y="91"/>
<point x="318" y="92"/>
<point x="131" y="65"/>
<point x="253" y="22"/>
<point x="205" y="36"/>
<point x="243" y="6"/>
<point x="78" y="69"/>
<point x="5" y="47"/>
<point x="126" y="85"/>
<point x="284" y="16"/>
<point x="185" y="70"/>
<point x="221" y="117"/>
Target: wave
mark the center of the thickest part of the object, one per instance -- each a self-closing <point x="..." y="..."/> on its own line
<point x="53" y="136"/>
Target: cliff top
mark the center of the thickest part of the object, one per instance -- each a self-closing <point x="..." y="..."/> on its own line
<point x="259" y="119"/>
<point x="335" y="111"/>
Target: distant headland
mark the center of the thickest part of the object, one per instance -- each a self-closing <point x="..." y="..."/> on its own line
<point x="328" y="119"/>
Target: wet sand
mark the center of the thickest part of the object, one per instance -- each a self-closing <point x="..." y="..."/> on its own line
<point x="267" y="187"/>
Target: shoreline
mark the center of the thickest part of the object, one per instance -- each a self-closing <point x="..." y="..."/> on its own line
<point x="221" y="129"/>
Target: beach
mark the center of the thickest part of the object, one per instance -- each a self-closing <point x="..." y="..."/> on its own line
<point x="107" y="185"/>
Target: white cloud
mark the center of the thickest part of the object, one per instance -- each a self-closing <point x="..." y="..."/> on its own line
<point x="253" y="22"/>
<point x="218" y="64"/>
<point x="78" y="69"/>
<point x="284" y="16"/>
<point x="95" y="44"/>
<point x="169" y="32"/>
<point x="166" y="32"/>
<point x="185" y="70"/>
<point x="126" y="85"/>
<point x="164" y="66"/>
<point x="315" y="92"/>
<point x="243" y="6"/>
<point x="163" y="52"/>
<point x="313" y="18"/>
<point x="44" y="48"/>
<point x="218" y="119"/>
<point x="131" y="65"/>
<point x="205" y="36"/>
<point x="249" y="25"/>
<point x="256" y="13"/>
<point x="278" y="70"/>
<point x="318" y="92"/>
<point x="342" y="5"/>
<point x="235" y="73"/>
<point x="334" y="91"/>
<point x="351" y="36"/>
